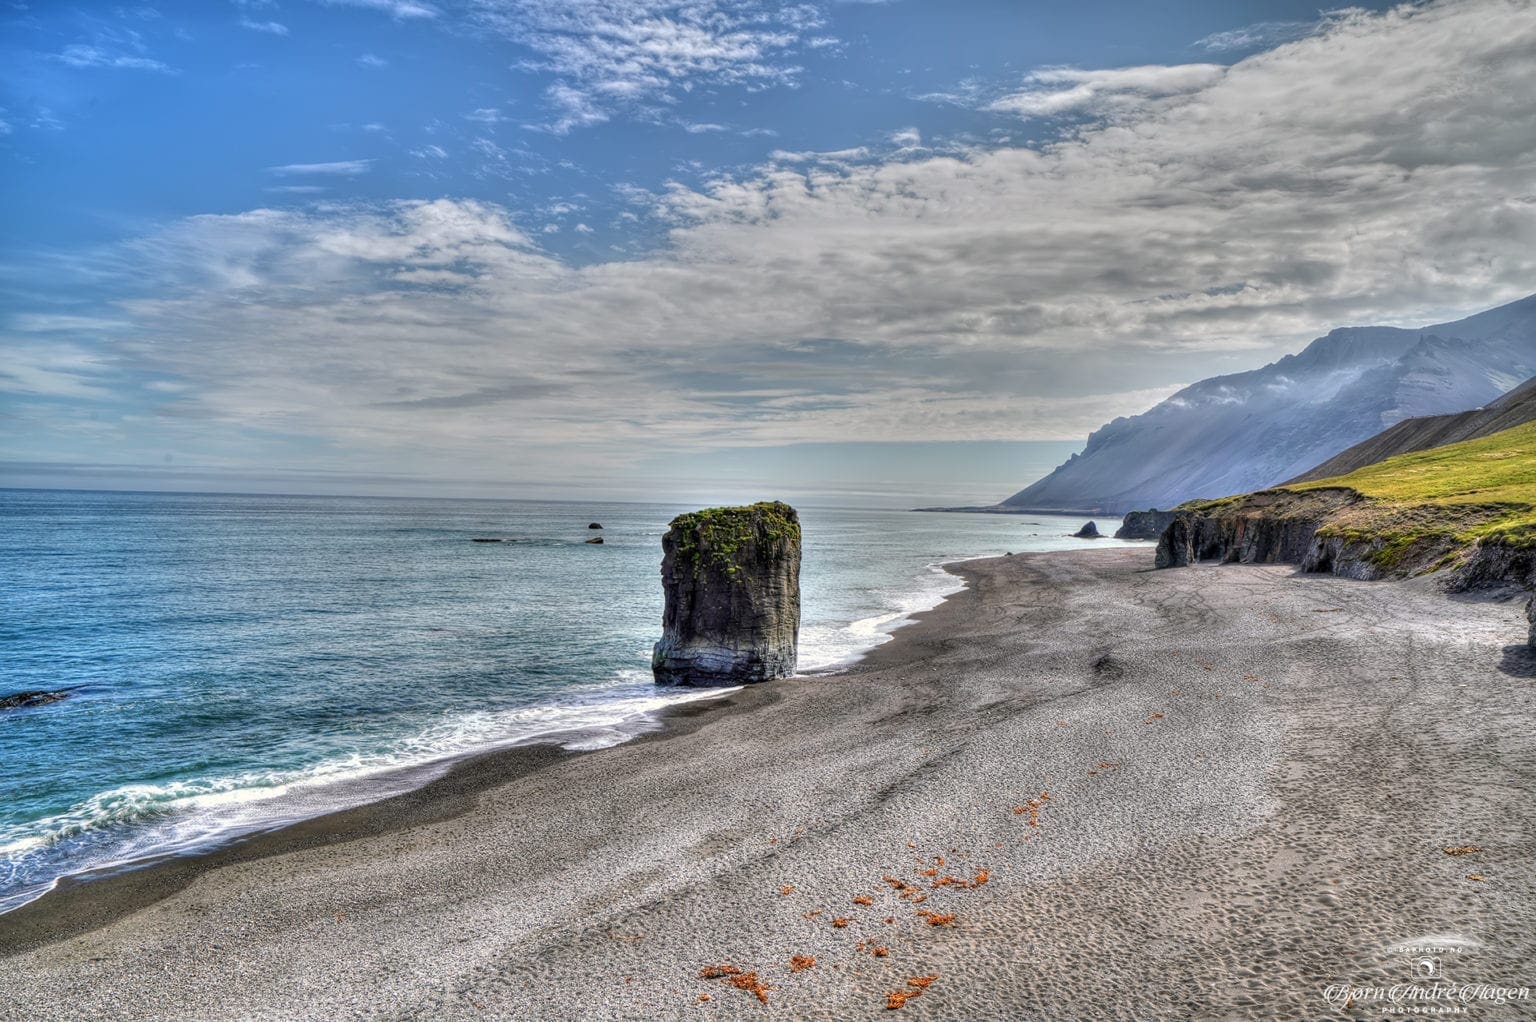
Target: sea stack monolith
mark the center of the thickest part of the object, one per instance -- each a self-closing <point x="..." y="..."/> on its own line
<point x="731" y="581"/>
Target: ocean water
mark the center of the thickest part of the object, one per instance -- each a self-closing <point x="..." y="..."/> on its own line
<point x="238" y="662"/>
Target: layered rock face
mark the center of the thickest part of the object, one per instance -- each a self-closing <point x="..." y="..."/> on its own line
<point x="731" y="581"/>
<point x="1324" y="531"/>
<point x="1530" y="615"/>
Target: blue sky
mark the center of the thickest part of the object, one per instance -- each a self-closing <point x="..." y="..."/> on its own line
<point x="547" y="247"/>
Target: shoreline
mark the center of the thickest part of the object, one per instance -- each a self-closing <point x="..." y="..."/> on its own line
<point x="502" y="763"/>
<point x="81" y="902"/>
<point x="1187" y="794"/>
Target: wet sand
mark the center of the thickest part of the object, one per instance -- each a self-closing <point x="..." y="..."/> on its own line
<point x="1207" y="793"/>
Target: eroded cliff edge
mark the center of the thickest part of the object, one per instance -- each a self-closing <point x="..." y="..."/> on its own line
<point x="1468" y="509"/>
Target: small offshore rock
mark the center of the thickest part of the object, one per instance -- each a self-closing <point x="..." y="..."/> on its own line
<point x="595" y="525"/>
<point x="26" y="700"/>
<point x="1089" y="531"/>
<point x="594" y="539"/>
<point x="731" y="582"/>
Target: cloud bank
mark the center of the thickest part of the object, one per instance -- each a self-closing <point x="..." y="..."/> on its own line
<point x="1202" y="218"/>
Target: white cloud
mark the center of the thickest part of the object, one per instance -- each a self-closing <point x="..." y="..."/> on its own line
<point x="1262" y="35"/>
<point x="269" y="27"/>
<point x="1000" y="292"/>
<point x="907" y="137"/>
<point x="1063" y="90"/>
<point x="371" y="60"/>
<point x="401" y="10"/>
<point x="485" y="115"/>
<point x="432" y="152"/>
<point x="347" y="168"/>
<point x="630" y="54"/>
<point x="89" y="55"/>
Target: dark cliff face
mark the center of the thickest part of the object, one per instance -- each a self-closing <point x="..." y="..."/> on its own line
<point x="1144" y="524"/>
<point x="731" y="580"/>
<point x="1324" y="531"/>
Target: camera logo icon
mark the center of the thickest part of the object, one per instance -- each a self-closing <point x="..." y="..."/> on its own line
<point x="1427" y="967"/>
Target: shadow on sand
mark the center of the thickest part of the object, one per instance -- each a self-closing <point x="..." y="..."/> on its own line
<point x="1519" y="661"/>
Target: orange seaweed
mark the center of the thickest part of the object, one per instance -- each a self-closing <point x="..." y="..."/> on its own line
<point x="799" y="963"/>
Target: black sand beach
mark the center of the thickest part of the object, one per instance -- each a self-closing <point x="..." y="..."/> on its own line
<point x="1077" y="790"/>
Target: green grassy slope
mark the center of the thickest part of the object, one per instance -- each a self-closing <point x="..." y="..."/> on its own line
<point x="1476" y="489"/>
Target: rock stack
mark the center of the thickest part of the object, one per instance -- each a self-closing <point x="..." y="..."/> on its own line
<point x="731" y="582"/>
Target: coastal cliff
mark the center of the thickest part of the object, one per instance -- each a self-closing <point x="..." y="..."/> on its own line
<point x="731" y="581"/>
<point x="1468" y="509"/>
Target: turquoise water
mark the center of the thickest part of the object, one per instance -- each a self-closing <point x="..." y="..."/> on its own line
<point x="237" y="662"/>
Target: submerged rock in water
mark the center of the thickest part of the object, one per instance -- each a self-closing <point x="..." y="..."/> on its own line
<point x="731" y="581"/>
<point x="24" y="700"/>
<point x="1089" y="531"/>
<point x="594" y="539"/>
<point x="595" y="525"/>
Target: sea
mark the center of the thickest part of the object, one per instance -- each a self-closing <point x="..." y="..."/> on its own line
<point x="236" y="663"/>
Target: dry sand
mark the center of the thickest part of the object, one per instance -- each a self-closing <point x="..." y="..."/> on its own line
<point x="1252" y="779"/>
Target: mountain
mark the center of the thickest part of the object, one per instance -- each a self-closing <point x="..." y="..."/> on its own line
<point x="1246" y="431"/>
<point x="1513" y="409"/>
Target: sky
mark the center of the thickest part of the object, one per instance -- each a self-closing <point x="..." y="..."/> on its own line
<point x="874" y="252"/>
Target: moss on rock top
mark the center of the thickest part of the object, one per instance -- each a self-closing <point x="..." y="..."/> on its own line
<point x="720" y="532"/>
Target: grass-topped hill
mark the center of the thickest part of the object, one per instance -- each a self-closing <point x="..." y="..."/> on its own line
<point x="1408" y="514"/>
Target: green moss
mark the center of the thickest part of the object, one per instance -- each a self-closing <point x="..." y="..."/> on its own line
<point x="721" y="532"/>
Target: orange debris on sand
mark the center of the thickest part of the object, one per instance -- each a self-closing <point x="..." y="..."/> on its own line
<point x="880" y="952"/>
<point x="718" y="971"/>
<point x="1155" y="716"/>
<point x="928" y="872"/>
<point x="938" y="918"/>
<point x="917" y="984"/>
<point x="787" y="889"/>
<point x="812" y="914"/>
<point x="749" y="982"/>
<point x="799" y="963"/>
<point x="863" y="899"/>
<point x="704" y="997"/>
<point x="1460" y="849"/>
<point x="1475" y="876"/>
<point x="841" y="922"/>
